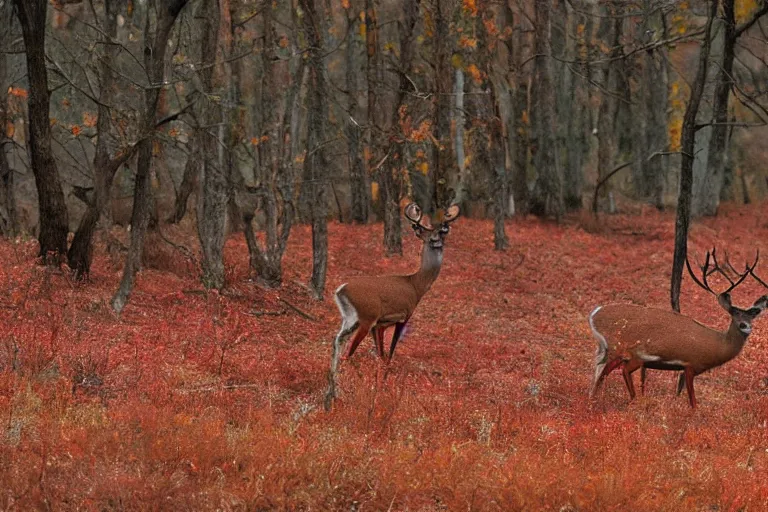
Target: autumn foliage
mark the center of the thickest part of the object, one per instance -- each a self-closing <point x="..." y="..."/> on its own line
<point x="193" y="401"/>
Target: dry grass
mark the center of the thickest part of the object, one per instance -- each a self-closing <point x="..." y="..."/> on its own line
<point x="194" y="401"/>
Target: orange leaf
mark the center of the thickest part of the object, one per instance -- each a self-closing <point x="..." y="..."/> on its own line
<point x="75" y="130"/>
<point x="10" y="129"/>
<point x="89" y="119"/>
<point x="18" y="92"/>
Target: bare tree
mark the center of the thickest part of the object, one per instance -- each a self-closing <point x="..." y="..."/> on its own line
<point x="547" y="198"/>
<point x="54" y="218"/>
<point x="213" y="197"/>
<point x="316" y="162"/>
<point x="9" y="225"/>
<point x="687" y="143"/>
<point x="358" y="180"/>
<point x="161" y="17"/>
<point x="106" y="162"/>
<point x="707" y="200"/>
<point x="649" y="182"/>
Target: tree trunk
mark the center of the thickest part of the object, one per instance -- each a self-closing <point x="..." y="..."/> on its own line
<point x="570" y="135"/>
<point x="189" y="181"/>
<point x="650" y="179"/>
<point x="607" y="147"/>
<point x="547" y="199"/>
<point x="105" y="166"/>
<point x="212" y="214"/>
<point x="8" y="218"/>
<point x="492" y="147"/>
<point x="358" y="181"/>
<point x="687" y="143"/>
<point x="714" y="177"/>
<point x="54" y="218"/>
<point x="443" y="155"/>
<point x="155" y="45"/>
<point x="517" y="127"/>
<point x="316" y="162"/>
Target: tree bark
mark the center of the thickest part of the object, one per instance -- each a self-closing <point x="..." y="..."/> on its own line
<point x="212" y="214"/>
<point x="316" y="161"/>
<point x="8" y="218"/>
<point x="687" y="143"/>
<point x="54" y="218"/>
<point x="547" y="198"/>
<point x="517" y="128"/>
<point x="714" y="175"/>
<point x="496" y="170"/>
<point x="358" y="180"/>
<point x="650" y="180"/>
<point x="155" y="45"/>
<point x="189" y="181"/>
<point x="443" y="155"/>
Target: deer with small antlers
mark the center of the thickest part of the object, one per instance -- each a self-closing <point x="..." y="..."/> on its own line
<point x="372" y="304"/>
<point x="632" y="337"/>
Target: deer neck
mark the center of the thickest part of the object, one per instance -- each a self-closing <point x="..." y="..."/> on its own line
<point x="431" y="261"/>
<point x="734" y="339"/>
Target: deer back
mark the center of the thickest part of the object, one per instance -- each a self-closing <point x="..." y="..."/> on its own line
<point x="657" y="335"/>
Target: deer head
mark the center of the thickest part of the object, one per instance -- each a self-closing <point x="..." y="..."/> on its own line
<point x="433" y="236"/>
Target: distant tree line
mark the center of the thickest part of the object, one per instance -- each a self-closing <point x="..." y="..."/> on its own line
<point x="265" y="114"/>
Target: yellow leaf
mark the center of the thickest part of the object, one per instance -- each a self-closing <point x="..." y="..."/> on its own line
<point x="374" y="191"/>
<point x="423" y="168"/>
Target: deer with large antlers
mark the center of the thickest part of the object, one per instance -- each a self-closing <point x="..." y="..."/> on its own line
<point x="631" y="337"/>
<point x="372" y="304"/>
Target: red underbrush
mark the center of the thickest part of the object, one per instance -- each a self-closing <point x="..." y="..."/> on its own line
<point x="194" y="400"/>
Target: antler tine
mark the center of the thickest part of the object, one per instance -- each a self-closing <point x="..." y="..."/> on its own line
<point x="416" y="216"/>
<point x="729" y="265"/>
<point x="720" y="270"/>
<point x="755" y="275"/>
<point x="749" y="270"/>
<point x="704" y="274"/>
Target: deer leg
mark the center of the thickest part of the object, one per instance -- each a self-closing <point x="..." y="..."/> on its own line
<point x="642" y="380"/>
<point x="399" y="327"/>
<point x="627" y="369"/>
<point x="378" y="337"/>
<point x="362" y="332"/>
<point x="689" y="375"/>
<point x="346" y="329"/>
<point x="680" y="382"/>
<point x="608" y="368"/>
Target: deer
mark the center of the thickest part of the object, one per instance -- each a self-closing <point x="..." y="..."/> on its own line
<point x="372" y="304"/>
<point x="633" y="337"/>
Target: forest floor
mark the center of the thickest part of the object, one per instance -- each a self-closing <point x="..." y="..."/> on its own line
<point x="193" y="401"/>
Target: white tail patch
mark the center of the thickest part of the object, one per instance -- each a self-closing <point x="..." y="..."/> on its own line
<point x="601" y="354"/>
<point x="349" y="317"/>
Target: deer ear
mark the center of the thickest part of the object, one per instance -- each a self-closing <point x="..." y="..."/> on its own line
<point x="760" y="304"/>
<point x="451" y="213"/>
<point x="724" y="299"/>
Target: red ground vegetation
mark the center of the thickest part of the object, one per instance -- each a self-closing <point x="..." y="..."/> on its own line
<point x="195" y="401"/>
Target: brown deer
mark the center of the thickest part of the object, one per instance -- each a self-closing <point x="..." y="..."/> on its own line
<point x="631" y="337"/>
<point x="372" y="304"/>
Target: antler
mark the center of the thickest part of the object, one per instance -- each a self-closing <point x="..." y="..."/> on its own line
<point x="706" y="272"/>
<point x="451" y="213"/>
<point x="414" y="214"/>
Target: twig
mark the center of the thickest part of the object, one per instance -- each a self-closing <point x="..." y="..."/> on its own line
<point x="266" y="313"/>
<point x="297" y="310"/>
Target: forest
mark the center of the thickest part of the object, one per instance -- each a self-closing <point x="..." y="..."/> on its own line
<point x="184" y="184"/>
